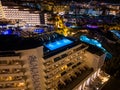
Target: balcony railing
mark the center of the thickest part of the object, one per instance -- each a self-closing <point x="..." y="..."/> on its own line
<point x="11" y="62"/>
<point x="12" y="71"/>
<point x="12" y="78"/>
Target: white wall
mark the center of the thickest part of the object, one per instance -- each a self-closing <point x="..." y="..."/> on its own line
<point x="33" y="65"/>
<point x="94" y="60"/>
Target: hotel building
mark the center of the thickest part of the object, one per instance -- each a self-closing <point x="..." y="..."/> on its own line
<point x="48" y="62"/>
<point x="19" y="14"/>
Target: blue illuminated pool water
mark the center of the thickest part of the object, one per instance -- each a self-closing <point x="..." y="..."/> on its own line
<point x="91" y="41"/>
<point x="7" y="32"/>
<point x="39" y="31"/>
<point x="95" y="43"/>
<point x="58" y="44"/>
<point x="117" y="33"/>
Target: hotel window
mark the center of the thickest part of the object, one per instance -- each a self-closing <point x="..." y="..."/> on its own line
<point x="64" y="67"/>
<point x="3" y="62"/>
<point x="78" y="58"/>
<point x="56" y="65"/>
<point x="4" y="71"/>
<point x="69" y="64"/>
<point x="74" y="66"/>
<point x="63" y="73"/>
<point x="17" y="70"/>
<point x="21" y="84"/>
<point x="57" y="59"/>
<point x="1" y="85"/>
<point x="78" y="63"/>
<point x="58" y="76"/>
<point x="64" y="55"/>
<point x="67" y="59"/>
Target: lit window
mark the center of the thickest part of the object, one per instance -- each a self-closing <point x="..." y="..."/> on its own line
<point x="22" y="84"/>
<point x="57" y="76"/>
<point x="9" y="78"/>
<point x="64" y="67"/>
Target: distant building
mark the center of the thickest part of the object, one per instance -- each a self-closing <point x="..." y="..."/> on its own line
<point x="114" y="9"/>
<point x="19" y="14"/>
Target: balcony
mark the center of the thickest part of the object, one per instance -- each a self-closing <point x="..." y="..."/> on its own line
<point x="12" y="71"/>
<point x="64" y="68"/>
<point x="12" y="85"/>
<point x="75" y="80"/>
<point x="12" y="78"/>
<point x="11" y="62"/>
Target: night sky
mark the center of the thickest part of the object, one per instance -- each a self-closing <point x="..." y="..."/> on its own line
<point x="107" y="1"/>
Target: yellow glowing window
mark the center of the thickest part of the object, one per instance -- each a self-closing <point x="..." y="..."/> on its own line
<point x="9" y="78"/>
<point x="1" y="79"/>
<point x="22" y="84"/>
<point x="57" y="76"/>
<point x="64" y="67"/>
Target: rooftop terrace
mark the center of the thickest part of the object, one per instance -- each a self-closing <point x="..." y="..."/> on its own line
<point x="14" y="42"/>
<point x="95" y="44"/>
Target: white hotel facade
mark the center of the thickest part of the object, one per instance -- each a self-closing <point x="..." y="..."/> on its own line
<point x="32" y="69"/>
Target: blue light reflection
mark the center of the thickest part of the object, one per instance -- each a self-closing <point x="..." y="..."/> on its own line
<point x="95" y="43"/>
<point x="7" y="32"/>
<point x="117" y="33"/>
<point x="39" y="31"/>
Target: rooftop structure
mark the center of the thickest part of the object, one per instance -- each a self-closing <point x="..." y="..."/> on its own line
<point x="96" y="44"/>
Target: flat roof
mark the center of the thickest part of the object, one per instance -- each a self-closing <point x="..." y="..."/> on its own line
<point x="14" y="42"/>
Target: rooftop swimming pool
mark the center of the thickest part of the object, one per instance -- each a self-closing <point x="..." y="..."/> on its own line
<point x="95" y="43"/>
<point x="58" y="44"/>
<point x="39" y="31"/>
